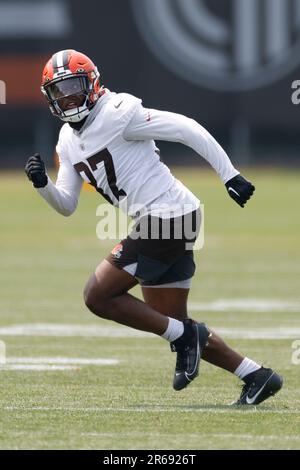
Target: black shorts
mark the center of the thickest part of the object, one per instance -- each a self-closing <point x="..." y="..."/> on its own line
<point x="159" y="251"/>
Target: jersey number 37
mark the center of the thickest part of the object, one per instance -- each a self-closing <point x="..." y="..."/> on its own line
<point x="103" y="156"/>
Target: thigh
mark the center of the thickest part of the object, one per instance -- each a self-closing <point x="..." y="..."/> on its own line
<point x="159" y="260"/>
<point x="109" y="281"/>
<point x="168" y="301"/>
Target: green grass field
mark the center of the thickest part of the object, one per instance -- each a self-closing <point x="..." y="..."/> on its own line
<point x="247" y="284"/>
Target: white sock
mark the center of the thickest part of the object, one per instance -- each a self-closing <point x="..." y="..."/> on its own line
<point x="246" y="367"/>
<point x="174" y="330"/>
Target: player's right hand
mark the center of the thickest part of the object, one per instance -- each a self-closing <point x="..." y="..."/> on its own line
<point x="36" y="171"/>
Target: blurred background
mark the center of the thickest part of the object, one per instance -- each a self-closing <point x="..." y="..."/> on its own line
<point x="229" y="64"/>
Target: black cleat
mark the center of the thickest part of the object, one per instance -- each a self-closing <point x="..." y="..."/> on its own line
<point x="265" y="383"/>
<point x="189" y="349"/>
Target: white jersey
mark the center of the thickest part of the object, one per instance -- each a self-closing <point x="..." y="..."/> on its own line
<point x="115" y="152"/>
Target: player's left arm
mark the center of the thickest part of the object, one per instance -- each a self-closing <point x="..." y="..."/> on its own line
<point x="162" y="125"/>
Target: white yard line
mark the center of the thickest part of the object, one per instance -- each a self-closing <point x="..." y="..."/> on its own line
<point x="98" y="331"/>
<point x="70" y="330"/>
<point x="260" y="333"/>
<point x="191" y="435"/>
<point x="37" y="367"/>
<point x="193" y="410"/>
<point x="53" y="363"/>
<point x="61" y="360"/>
<point x="246" y="305"/>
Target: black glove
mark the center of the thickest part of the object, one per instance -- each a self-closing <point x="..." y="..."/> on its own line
<point x="36" y="171"/>
<point x="240" y="189"/>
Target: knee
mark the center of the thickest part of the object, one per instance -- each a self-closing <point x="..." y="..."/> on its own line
<point x="88" y="298"/>
<point x="93" y="297"/>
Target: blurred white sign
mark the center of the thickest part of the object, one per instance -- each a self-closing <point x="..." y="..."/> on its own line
<point x="255" y="43"/>
<point x="34" y="18"/>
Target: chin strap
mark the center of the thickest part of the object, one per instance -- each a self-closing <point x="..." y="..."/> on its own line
<point x="102" y="91"/>
<point x="77" y="125"/>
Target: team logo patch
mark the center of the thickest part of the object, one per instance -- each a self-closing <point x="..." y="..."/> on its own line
<point x="117" y="251"/>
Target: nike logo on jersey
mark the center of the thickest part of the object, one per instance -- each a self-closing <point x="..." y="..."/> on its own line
<point x="118" y="105"/>
<point x="251" y="400"/>
<point x="234" y="191"/>
<point x="148" y="117"/>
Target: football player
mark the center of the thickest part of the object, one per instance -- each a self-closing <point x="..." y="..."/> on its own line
<point x="108" y="140"/>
